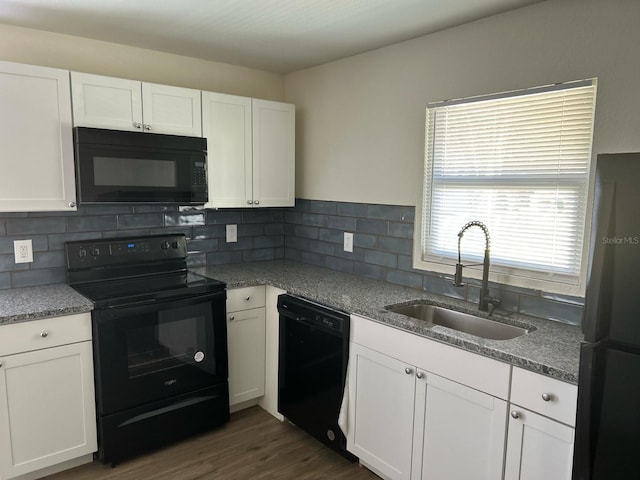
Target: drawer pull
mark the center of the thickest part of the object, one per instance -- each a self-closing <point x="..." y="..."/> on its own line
<point x="419" y="374"/>
<point x="232" y="318"/>
<point x="248" y="298"/>
<point x="515" y="414"/>
<point x="547" y="397"/>
<point x="44" y="334"/>
<point x="408" y="371"/>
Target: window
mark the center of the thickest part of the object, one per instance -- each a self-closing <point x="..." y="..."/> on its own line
<point x="518" y="162"/>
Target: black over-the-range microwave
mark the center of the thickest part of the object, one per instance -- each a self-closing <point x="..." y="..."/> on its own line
<point x="115" y="166"/>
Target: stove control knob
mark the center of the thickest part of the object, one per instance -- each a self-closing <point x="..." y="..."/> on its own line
<point x="95" y="251"/>
<point x="82" y="253"/>
<point x="165" y="245"/>
<point x="174" y="244"/>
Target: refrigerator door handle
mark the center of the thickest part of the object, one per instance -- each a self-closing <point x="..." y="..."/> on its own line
<point x="600" y="275"/>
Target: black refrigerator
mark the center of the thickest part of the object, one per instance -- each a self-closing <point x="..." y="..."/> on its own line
<point x="607" y="445"/>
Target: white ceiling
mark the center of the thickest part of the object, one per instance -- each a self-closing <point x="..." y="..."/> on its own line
<point x="275" y="35"/>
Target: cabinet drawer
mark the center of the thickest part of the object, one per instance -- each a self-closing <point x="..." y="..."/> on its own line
<point x="547" y="396"/>
<point x="45" y="333"/>
<point x="245" y="298"/>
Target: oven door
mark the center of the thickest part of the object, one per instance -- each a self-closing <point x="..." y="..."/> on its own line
<point x="148" y="352"/>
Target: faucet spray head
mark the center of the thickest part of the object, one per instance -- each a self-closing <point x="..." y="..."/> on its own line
<point x="458" y="277"/>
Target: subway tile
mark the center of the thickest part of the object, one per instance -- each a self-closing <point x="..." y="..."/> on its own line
<point x="376" y="227"/>
<point x="402" y="230"/>
<point x="271" y="241"/>
<point x="384" y="259"/>
<point x="156" y="209"/>
<point x="140" y="220"/>
<point x="408" y="214"/>
<point x="5" y="281"/>
<point x="395" y="245"/>
<point x="41" y="276"/>
<point x="314" y="219"/>
<point x="26" y="226"/>
<point x="333" y="236"/>
<point x="277" y="214"/>
<point x="384" y="212"/>
<point x="274" y="229"/>
<point x="342" y="223"/>
<point x="321" y="206"/>
<point x="216" y="217"/>
<point x="313" y="258"/>
<point x="365" y="240"/>
<point x="278" y="253"/>
<point x="370" y="271"/>
<point x="223" y="258"/>
<point x="3" y="229"/>
<point x="443" y="286"/>
<point x="209" y="231"/>
<point x="579" y="301"/>
<point x="292" y="216"/>
<point x="39" y="243"/>
<point x="324" y="248"/>
<point x="292" y="254"/>
<point x="57" y="240"/>
<point x="257" y="215"/>
<point x="340" y="264"/>
<point x="357" y="255"/>
<point x="182" y="219"/>
<point x="92" y="223"/>
<point x="413" y="280"/>
<point x="509" y="301"/>
<point x="196" y="260"/>
<point x="405" y="262"/>
<point x="306" y="232"/>
<point x="561" y="312"/>
<point x="298" y="243"/>
<point x="303" y="205"/>
<point x="249" y="229"/>
<point x="202" y="245"/>
<point x="352" y="209"/>
<point x="49" y="259"/>
<point x="107" y="209"/>
<point x="243" y="243"/>
<point x="258" y="254"/>
<point x="8" y="264"/>
<point x="289" y="229"/>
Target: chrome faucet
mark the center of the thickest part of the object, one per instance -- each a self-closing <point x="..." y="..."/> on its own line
<point x="485" y="298"/>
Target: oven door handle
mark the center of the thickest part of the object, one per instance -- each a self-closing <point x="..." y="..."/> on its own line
<point x="148" y="301"/>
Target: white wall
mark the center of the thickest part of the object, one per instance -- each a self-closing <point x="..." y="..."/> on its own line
<point x="48" y="49"/>
<point x="360" y="121"/>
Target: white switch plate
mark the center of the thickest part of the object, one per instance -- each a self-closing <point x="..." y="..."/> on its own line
<point x="23" y="251"/>
<point x="348" y="242"/>
<point x="232" y="233"/>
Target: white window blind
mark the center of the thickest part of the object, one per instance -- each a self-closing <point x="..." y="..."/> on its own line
<point x="518" y="162"/>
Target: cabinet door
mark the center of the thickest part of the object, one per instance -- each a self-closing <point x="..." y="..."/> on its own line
<point x="273" y="154"/>
<point x="538" y="448"/>
<point x="35" y="134"/>
<point x="246" y="344"/>
<point x="106" y="102"/>
<point x="464" y="431"/>
<point x="380" y="406"/>
<point x="47" y="412"/>
<point x="171" y="110"/>
<point x="226" y="122"/>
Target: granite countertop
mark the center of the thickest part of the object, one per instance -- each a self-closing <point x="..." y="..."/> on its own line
<point x="551" y="349"/>
<point x="32" y="303"/>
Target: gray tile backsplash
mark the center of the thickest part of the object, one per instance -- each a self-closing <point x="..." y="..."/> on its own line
<point x="311" y="232"/>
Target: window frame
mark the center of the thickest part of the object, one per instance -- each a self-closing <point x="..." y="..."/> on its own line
<point x="519" y="277"/>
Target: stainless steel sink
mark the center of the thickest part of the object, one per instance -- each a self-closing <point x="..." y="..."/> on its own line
<point x="463" y="322"/>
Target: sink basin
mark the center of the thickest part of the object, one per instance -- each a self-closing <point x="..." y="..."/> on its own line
<point x="462" y="322"/>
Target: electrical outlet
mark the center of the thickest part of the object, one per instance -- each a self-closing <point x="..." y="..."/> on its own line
<point x="232" y="233"/>
<point x="348" y="242"/>
<point x="23" y="251"/>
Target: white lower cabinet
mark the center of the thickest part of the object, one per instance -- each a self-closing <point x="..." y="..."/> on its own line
<point x="246" y="343"/>
<point x="538" y="448"/>
<point x="421" y="410"/>
<point x="47" y="409"/>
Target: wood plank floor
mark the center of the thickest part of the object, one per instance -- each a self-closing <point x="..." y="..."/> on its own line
<point x="253" y="445"/>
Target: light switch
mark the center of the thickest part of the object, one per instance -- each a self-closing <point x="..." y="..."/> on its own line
<point x="232" y="233"/>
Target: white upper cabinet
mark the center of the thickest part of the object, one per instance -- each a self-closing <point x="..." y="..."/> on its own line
<point x="36" y="159"/>
<point x="251" y="151"/>
<point x="121" y="104"/>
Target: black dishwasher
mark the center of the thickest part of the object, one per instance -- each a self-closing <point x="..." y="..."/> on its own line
<point x="313" y="356"/>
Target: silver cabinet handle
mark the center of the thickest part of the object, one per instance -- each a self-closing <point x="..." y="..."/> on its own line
<point x="147" y="127"/>
<point x="72" y="204"/>
<point x="419" y="374"/>
<point x="257" y="202"/>
<point x="248" y="298"/>
<point x="232" y="318"/>
<point x="249" y="202"/>
<point x="44" y="334"/>
<point x="515" y="414"/>
<point x="547" y="397"/>
<point x="408" y="371"/>
<point x="137" y="124"/>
